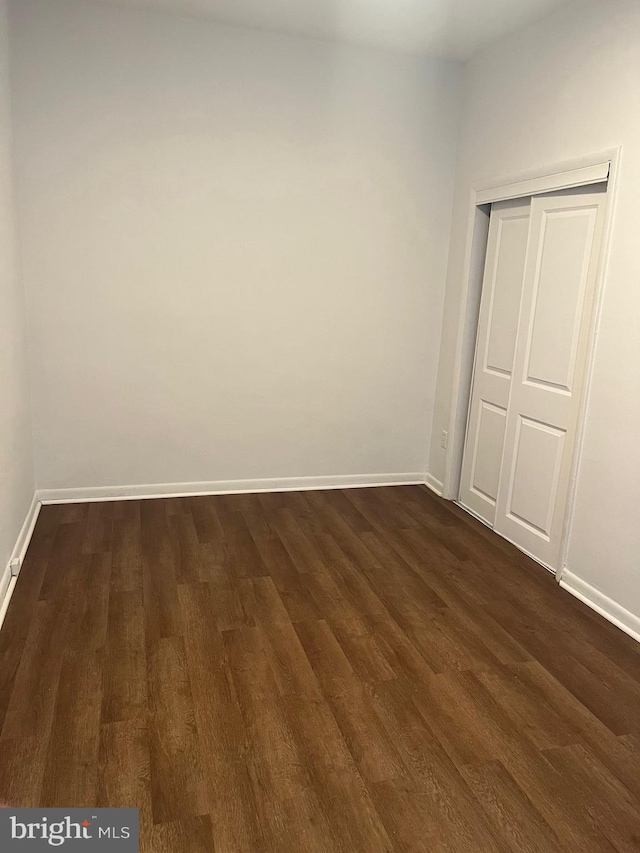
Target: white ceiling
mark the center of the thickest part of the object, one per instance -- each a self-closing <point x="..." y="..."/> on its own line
<point x="451" y="29"/>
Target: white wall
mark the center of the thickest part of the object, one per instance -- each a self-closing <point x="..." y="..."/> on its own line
<point x="235" y="247"/>
<point x="16" y="455"/>
<point x="564" y="88"/>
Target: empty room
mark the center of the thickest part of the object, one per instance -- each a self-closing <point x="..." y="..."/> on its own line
<point x="320" y="433"/>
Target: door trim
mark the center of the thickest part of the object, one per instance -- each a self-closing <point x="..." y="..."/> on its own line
<point x="523" y="188"/>
<point x="481" y="195"/>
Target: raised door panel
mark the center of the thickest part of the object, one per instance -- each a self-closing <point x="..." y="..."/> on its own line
<point x="558" y="296"/>
<point x="535" y="476"/>
<point x="504" y="296"/>
<point x="487" y="451"/>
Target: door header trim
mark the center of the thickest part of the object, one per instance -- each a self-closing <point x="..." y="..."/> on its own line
<point x="592" y="174"/>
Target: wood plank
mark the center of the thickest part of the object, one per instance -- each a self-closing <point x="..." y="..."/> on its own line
<point x="98" y="529"/>
<point x="177" y="779"/>
<point x="124" y="773"/>
<point x="449" y="814"/>
<point x="244" y="559"/>
<point x="124" y="669"/>
<point x="30" y="708"/>
<point x="274" y="764"/>
<point x="22" y="765"/>
<point x="512" y="813"/>
<point x="222" y="735"/>
<point x="71" y="774"/>
<point x="126" y="545"/>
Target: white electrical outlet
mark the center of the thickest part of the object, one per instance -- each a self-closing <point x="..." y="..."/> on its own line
<point x="444" y="438"/>
<point x="14" y="567"/>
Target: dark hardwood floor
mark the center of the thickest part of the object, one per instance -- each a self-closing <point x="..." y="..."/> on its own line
<point x="354" y="671"/>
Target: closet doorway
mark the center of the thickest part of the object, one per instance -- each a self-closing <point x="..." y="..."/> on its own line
<point x="533" y="340"/>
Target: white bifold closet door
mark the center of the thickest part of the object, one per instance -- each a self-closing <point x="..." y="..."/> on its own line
<point x="533" y="332"/>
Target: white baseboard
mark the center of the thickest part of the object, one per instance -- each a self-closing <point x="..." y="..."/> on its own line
<point x="7" y="582"/>
<point x="225" y="487"/>
<point x="602" y="604"/>
<point x="434" y="484"/>
<point x="598" y="601"/>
